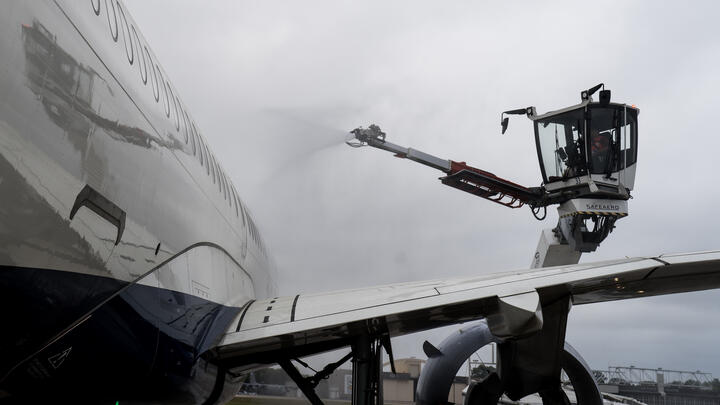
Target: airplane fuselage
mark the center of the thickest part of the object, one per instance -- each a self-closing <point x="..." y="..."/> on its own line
<point x="125" y="250"/>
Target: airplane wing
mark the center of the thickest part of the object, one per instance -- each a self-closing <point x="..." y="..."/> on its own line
<point x="285" y="327"/>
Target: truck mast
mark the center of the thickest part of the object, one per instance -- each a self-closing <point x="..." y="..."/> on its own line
<point x="587" y="155"/>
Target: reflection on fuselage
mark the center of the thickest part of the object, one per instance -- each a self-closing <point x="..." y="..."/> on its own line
<point x="144" y="309"/>
<point x="65" y="88"/>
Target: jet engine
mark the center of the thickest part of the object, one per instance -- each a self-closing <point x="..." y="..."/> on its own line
<point x="519" y="372"/>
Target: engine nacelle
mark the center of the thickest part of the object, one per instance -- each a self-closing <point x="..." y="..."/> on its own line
<point x="445" y="360"/>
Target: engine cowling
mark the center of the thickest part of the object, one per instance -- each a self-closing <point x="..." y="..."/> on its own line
<point x="445" y="360"/>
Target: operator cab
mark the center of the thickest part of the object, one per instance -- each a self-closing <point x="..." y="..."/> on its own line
<point x="588" y="144"/>
<point x="587" y="155"/>
<point x="587" y="150"/>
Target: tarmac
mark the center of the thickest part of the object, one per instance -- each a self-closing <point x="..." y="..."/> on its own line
<point x="268" y="400"/>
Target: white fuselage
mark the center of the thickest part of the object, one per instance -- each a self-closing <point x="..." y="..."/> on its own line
<point x="85" y="105"/>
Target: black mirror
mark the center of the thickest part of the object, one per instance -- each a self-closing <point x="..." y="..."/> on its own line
<point x="604" y="97"/>
<point x="519" y="111"/>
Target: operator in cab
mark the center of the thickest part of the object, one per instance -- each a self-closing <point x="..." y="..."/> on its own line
<point x="599" y="150"/>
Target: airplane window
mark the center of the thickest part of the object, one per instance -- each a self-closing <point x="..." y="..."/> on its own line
<point x="177" y="113"/>
<point x="193" y="136"/>
<point x="221" y="181"/>
<point x="127" y="37"/>
<point x="228" y="196"/>
<point x="161" y="82"/>
<point x="221" y="186"/>
<point x="228" y="186"/>
<point x="112" y="23"/>
<point x="252" y="230"/>
<point x="242" y="211"/>
<point x="237" y="203"/>
<point x="183" y="115"/>
<point x="225" y="185"/>
<point x="217" y="173"/>
<point x="201" y="151"/>
<point x="206" y="154"/>
<point x="142" y="63"/>
<point x="212" y="166"/>
<point x="173" y="102"/>
<point x="153" y="77"/>
<point x="233" y="200"/>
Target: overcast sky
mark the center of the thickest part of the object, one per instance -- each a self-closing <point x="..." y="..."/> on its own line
<point x="275" y="85"/>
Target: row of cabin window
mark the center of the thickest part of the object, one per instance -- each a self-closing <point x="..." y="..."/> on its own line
<point x="256" y="236"/>
<point x="119" y="23"/>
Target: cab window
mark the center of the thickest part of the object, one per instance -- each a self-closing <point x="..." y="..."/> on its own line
<point x="559" y="140"/>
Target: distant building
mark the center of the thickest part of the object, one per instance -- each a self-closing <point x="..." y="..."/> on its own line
<point x="397" y="388"/>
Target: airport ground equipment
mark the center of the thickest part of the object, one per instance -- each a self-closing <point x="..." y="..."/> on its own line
<point x="587" y="155"/>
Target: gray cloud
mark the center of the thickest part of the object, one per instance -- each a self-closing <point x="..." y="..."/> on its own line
<point x="274" y="84"/>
